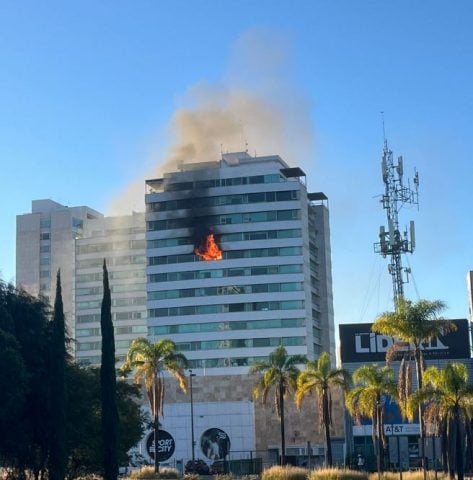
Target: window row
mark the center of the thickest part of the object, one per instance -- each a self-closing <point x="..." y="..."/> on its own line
<point x="226" y="362"/>
<point x="223" y="182"/>
<point x="122" y="274"/>
<point x="112" y="246"/>
<point x="116" y="261"/>
<point x="81" y="347"/>
<point x="240" y="343"/>
<point x="228" y="237"/>
<point x="226" y="326"/>
<point x="116" y="302"/>
<point x="229" y="255"/>
<point x="235" y="199"/>
<point x="198" y="363"/>
<point x="93" y="332"/>
<point x="130" y="287"/>
<point x="225" y="308"/>
<point x="117" y="231"/>
<point x="224" y="272"/>
<point x="225" y="290"/>
<point x="224" y="219"/>
<point x="95" y="317"/>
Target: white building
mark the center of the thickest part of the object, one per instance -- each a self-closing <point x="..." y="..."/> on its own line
<point x="272" y="286"/>
<point x="77" y="240"/>
<point x="121" y="242"/>
<point x="45" y="243"/>
<point x="273" y="283"/>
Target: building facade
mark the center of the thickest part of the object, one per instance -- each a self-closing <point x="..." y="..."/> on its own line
<point x="267" y="283"/>
<point x="238" y="263"/>
<point x="360" y="346"/>
<point x="272" y="285"/>
<point x="121" y="242"/>
<point x="45" y="243"/>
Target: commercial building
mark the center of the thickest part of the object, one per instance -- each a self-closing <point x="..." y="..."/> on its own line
<point x="76" y="240"/>
<point x="238" y="263"/>
<point x="271" y="284"/>
<point x="360" y="346"/>
<point x="121" y="242"/>
<point x="45" y="243"/>
<point x="231" y="259"/>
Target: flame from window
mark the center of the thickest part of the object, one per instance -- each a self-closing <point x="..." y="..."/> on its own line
<point x="208" y="249"/>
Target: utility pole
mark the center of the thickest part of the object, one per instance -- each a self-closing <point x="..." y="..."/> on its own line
<point x="393" y="242"/>
<point x="191" y="374"/>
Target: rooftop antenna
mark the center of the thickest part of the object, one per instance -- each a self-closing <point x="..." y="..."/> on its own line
<point x="393" y="242"/>
<point x="384" y="130"/>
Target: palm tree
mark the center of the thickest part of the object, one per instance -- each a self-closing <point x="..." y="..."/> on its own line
<point x="412" y="324"/>
<point x="366" y="399"/>
<point x="149" y="362"/>
<point x="279" y="374"/>
<point x="449" y="400"/>
<point x="319" y="378"/>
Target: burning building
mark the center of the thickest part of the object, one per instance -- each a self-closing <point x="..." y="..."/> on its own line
<point x="238" y="263"/>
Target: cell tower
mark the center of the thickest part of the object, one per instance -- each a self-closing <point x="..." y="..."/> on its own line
<point x="392" y="242"/>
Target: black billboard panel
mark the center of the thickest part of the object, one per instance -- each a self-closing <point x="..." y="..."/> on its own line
<point x="358" y="344"/>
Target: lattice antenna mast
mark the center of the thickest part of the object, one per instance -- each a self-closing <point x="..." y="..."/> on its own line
<point x="392" y="242"/>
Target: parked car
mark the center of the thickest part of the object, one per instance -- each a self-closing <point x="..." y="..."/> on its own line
<point x="199" y="467"/>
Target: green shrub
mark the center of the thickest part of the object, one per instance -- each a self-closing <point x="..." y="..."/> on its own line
<point x="147" y="473"/>
<point x="337" y="474"/>
<point x="285" y="473"/>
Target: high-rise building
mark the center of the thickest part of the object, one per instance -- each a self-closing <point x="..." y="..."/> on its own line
<point x="271" y="283"/>
<point x="232" y="261"/>
<point x="121" y="242"/>
<point x="45" y="243"/>
<point x="238" y="263"/>
<point x="76" y="240"/>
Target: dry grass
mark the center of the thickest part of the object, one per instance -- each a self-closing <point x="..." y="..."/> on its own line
<point x="147" y="473"/>
<point x="285" y="473"/>
<point x="337" y="474"/>
<point x="414" y="475"/>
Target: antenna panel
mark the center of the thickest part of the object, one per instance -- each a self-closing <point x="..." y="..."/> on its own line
<point x="400" y="167"/>
<point x="392" y="240"/>
<point x="413" y="235"/>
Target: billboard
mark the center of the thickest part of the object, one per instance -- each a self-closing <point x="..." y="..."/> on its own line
<point x="358" y="344"/>
<point x="215" y="444"/>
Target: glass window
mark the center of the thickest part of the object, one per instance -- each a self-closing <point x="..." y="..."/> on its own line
<point x="236" y="307"/>
<point x="256" y="179"/>
<point x="44" y="236"/>
<point x="45" y="223"/>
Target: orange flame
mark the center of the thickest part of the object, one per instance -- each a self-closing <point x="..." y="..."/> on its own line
<point x="208" y="249"/>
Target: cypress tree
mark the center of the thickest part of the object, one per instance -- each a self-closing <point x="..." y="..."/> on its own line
<point x="57" y="453"/>
<point x="108" y="383"/>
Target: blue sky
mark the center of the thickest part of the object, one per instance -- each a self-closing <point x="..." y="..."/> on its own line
<point x="87" y="91"/>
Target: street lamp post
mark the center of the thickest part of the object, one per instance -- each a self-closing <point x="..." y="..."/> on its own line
<point x="192" y="417"/>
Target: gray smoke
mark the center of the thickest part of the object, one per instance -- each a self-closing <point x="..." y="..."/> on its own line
<point x="255" y="108"/>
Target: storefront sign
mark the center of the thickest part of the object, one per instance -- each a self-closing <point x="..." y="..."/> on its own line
<point x="358" y="344"/>
<point x="166" y="445"/>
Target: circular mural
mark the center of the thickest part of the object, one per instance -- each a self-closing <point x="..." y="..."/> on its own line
<point x="215" y="444"/>
<point x="166" y="445"/>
